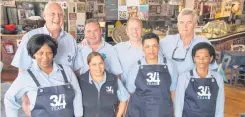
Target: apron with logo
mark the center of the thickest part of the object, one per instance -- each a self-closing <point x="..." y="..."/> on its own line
<point x="152" y="97"/>
<point x="55" y="101"/>
<point x="200" y="97"/>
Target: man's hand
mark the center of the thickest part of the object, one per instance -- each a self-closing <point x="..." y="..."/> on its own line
<point x="26" y="105"/>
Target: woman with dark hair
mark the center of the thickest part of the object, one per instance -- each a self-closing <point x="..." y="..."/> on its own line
<point x="200" y="91"/>
<point x="52" y="88"/>
<point x="103" y="93"/>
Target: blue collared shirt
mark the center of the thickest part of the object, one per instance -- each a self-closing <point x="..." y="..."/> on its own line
<point x="130" y="84"/>
<point x="128" y="55"/>
<point x="108" y="53"/>
<point x="24" y="84"/>
<point x="182" y="84"/>
<point x="169" y="43"/>
<point x="66" y="52"/>
<point x="122" y="93"/>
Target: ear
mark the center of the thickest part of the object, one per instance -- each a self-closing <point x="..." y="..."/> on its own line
<point x="211" y="59"/>
<point x="44" y="15"/>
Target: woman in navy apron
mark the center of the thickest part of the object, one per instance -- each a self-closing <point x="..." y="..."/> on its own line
<point x="200" y="91"/>
<point x="103" y="93"/>
<point x="52" y="88"/>
<point x="151" y="81"/>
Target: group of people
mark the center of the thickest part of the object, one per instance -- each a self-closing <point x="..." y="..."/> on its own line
<point x="174" y="76"/>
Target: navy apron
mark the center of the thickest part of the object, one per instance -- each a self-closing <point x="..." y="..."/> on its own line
<point x="152" y="97"/>
<point x="55" y="101"/>
<point x="200" y="97"/>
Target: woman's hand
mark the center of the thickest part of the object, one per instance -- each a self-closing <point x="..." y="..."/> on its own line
<point x="26" y="105"/>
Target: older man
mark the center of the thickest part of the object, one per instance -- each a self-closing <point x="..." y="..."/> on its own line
<point x="54" y="16"/>
<point x="178" y="47"/>
<point x="95" y="43"/>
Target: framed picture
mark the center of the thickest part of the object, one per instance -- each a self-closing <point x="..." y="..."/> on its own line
<point x="158" y="9"/>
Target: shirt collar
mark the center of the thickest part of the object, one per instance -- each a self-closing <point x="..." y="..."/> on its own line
<point x="35" y="66"/>
<point x="160" y="60"/>
<point x="128" y="44"/>
<point x="179" y="39"/>
<point x="62" y="32"/>
<point x="101" y="46"/>
<point x="209" y="75"/>
<point x="90" y="78"/>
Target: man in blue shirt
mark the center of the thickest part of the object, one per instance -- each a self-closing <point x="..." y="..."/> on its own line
<point x="130" y="51"/>
<point x="95" y="43"/>
<point x="54" y="16"/>
<point x="178" y="47"/>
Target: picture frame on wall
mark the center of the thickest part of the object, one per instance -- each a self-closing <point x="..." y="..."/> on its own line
<point x="158" y="9"/>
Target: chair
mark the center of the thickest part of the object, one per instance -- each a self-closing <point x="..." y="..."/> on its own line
<point x="224" y="66"/>
<point x="240" y="74"/>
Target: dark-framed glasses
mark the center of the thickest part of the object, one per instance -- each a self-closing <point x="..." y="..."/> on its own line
<point x="180" y="59"/>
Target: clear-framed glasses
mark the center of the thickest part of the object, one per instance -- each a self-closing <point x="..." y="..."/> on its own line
<point x="180" y="59"/>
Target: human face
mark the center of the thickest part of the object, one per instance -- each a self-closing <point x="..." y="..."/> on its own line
<point x="134" y="30"/>
<point x="54" y="17"/>
<point x="151" y="48"/>
<point x="202" y="58"/>
<point x="44" y="57"/>
<point x="186" y="25"/>
<point x="93" y="33"/>
<point x="96" y="66"/>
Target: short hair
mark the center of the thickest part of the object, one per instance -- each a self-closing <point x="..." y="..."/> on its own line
<point x="49" y="3"/>
<point x="204" y="45"/>
<point x="150" y="35"/>
<point x="92" y="55"/>
<point x="37" y="41"/>
<point x="134" y="19"/>
<point x="188" y="11"/>
<point x="92" y="21"/>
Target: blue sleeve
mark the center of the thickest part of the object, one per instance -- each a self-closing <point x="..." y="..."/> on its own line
<point x="77" y="102"/>
<point x="220" y="98"/>
<point x="78" y="62"/>
<point x="21" y="58"/>
<point x="173" y="73"/>
<point x="115" y="65"/>
<point x="130" y="80"/>
<point x="180" y="94"/>
<point x="122" y="93"/>
<point x="13" y="95"/>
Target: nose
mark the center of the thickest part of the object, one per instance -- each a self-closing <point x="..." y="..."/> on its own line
<point x="45" y="56"/>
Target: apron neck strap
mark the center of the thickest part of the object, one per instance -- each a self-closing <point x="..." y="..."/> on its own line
<point x="191" y="73"/>
<point x="33" y="77"/>
<point x="63" y="74"/>
<point x="139" y="62"/>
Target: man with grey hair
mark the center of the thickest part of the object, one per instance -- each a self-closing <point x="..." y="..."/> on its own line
<point x="67" y="48"/>
<point x="178" y="47"/>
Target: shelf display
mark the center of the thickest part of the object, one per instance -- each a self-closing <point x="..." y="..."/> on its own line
<point x="215" y="29"/>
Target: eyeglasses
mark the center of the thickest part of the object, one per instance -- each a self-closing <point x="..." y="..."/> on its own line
<point x="180" y="59"/>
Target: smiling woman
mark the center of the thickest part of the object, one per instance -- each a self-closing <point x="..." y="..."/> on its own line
<point x="103" y="93"/>
<point x="52" y="88"/>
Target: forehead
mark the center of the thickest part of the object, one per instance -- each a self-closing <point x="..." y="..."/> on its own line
<point x="189" y="17"/>
<point x="45" y="47"/>
<point x="150" y="41"/>
<point x="134" y="23"/>
<point x="202" y="51"/>
<point x="54" y="8"/>
<point x="96" y="59"/>
<point x="92" y="25"/>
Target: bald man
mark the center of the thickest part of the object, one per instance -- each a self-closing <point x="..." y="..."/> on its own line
<point x="66" y="53"/>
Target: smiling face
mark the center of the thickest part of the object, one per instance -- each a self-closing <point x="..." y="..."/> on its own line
<point x="134" y="30"/>
<point x="93" y="33"/>
<point x="96" y="66"/>
<point x="54" y="17"/>
<point x="44" y="57"/>
<point x="202" y="58"/>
